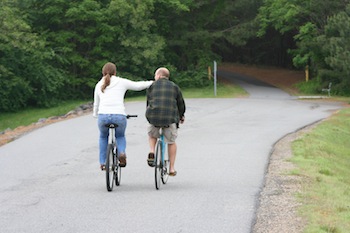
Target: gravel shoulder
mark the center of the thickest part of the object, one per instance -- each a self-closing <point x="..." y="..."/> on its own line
<point x="278" y="206"/>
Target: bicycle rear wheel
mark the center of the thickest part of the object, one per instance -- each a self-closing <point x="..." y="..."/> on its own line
<point x="158" y="164"/>
<point x="110" y="168"/>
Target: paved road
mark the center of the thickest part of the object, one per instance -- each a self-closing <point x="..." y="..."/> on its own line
<point x="50" y="181"/>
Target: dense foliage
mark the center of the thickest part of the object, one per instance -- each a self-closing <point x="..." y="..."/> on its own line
<point x="51" y="50"/>
<point x="320" y="31"/>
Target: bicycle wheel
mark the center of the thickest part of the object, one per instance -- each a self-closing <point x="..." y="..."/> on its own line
<point x="118" y="173"/>
<point x="165" y="167"/>
<point x="158" y="164"/>
<point x="110" y="168"/>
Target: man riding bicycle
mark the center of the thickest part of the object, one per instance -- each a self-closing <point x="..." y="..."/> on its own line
<point x="165" y="109"/>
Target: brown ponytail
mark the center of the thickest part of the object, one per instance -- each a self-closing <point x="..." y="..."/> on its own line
<point x="108" y="70"/>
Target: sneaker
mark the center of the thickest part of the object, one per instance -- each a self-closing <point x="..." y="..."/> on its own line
<point x="122" y="160"/>
<point x="150" y="160"/>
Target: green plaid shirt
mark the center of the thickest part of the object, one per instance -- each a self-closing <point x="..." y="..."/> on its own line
<point x="165" y="104"/>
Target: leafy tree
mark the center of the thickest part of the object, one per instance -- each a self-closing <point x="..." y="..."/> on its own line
<point x="24" y="68"/>
<point x="71" y="29"/>
<point x="137" y="47"/>
<point x="310" y="24"/>
<point x="86" y="33"/>
<point x="337" y="52"/>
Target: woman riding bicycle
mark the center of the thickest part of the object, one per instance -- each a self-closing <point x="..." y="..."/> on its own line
<point x="109" y="108"/>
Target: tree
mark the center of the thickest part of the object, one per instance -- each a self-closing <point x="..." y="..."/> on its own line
<point x="337" y="52"/>
<point x="25" y="74"/>
<point x="311" y="24"/>
<point x="85" y="34"/>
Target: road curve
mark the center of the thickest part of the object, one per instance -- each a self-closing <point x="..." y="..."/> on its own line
<point x="50" y="181"/>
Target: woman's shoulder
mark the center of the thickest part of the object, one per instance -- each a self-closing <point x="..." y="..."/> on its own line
<point x="121" y="79"/>
<point x="100" y="82"/>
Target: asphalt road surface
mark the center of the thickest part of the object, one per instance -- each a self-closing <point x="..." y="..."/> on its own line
<point x="50" y="179"/>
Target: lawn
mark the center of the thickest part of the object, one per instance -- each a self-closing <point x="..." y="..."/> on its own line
<point x="30" y="115"/>
<point x="323" y="161"/>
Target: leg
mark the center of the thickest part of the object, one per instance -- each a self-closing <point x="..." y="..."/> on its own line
<point x="171" y="135"/>
<point x="120" y="133"/>
<point x="103" y="139"/>
<point x="120" y="138"/>
<point x="152" y="143"/>
<point x="153" y="134"/>
<point x="172" y="156"/>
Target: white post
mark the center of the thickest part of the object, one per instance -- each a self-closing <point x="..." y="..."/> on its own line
<point x="215" y="70"/>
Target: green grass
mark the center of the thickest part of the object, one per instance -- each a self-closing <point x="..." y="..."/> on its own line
<point x="323" y="159"/>
<point x="29" y="116"/>
<point x="222" y="91"/>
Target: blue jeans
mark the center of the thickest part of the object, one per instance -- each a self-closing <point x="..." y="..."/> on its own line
<point x="104" y="132"/>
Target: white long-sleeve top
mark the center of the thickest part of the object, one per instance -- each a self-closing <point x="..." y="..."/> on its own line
<point x="111" y="101"/>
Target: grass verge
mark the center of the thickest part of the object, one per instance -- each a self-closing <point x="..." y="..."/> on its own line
<point x="223" y="90"/>
<point x="323" y="159"/>
<point x="30" y="115"/>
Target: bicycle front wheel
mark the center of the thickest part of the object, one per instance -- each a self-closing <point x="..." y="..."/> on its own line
<point x="158" y="164"/>
<point x="110" y="167"/>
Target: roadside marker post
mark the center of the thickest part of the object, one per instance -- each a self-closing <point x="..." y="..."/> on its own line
<point x="215" y="71"/>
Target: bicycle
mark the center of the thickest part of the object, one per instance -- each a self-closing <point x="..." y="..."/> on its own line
<point x="161" y="160"/>
<point x="113" y="169"/>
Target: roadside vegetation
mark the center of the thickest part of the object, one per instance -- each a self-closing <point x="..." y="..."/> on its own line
<point x="322" y="157"/>
<point x="53" y="50"/>
<point x="11" y="120"/>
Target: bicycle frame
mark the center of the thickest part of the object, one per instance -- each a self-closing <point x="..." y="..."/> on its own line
<point x="164" y="144"/>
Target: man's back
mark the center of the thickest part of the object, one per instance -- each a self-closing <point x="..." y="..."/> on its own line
<point x="165" y="104"/>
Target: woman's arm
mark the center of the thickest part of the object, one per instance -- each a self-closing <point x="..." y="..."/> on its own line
<point x="136" y="85"/>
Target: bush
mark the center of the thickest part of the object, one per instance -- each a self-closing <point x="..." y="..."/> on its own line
<point x="14" y="93"/>
<point x="190" y="79"/>
<point x="310" y="87"/>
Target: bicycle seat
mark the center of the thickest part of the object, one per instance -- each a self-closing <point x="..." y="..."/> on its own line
<point x="111" y="125"/>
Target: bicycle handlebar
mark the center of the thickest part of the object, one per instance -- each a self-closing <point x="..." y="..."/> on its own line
<point x="128" y="116"/>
